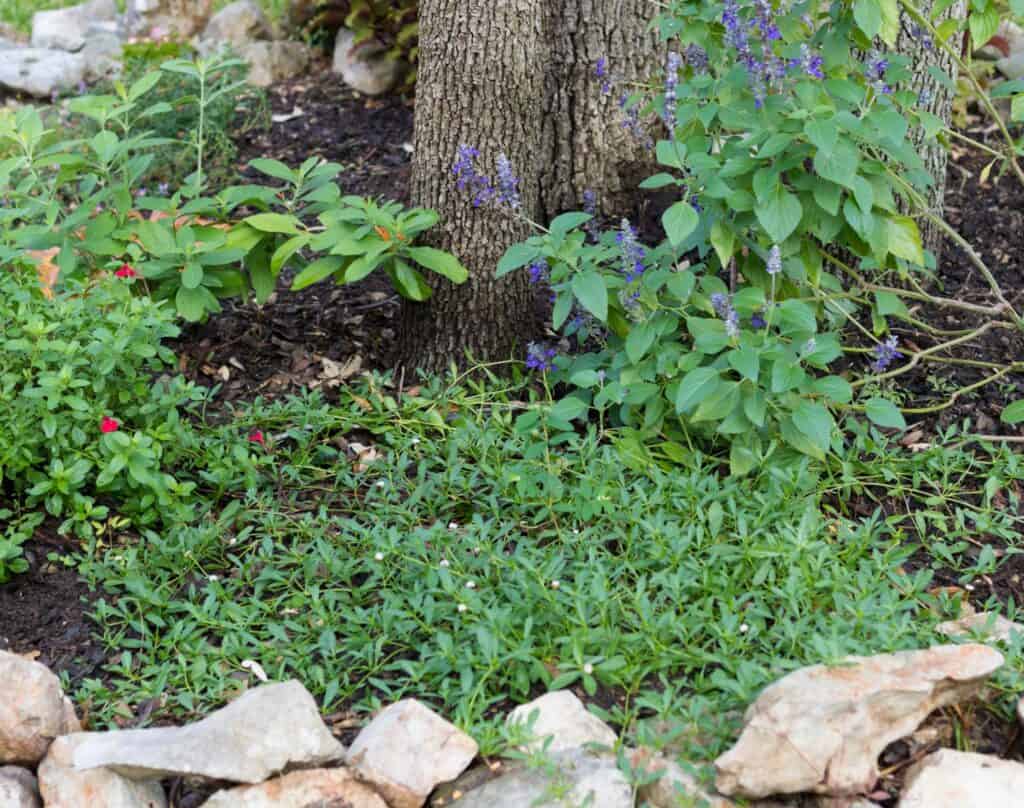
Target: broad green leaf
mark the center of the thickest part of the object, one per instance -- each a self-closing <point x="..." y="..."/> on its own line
<point x="441" y="262"/>
<point x="983" y="24"/>
<point x="709" y="335"/>
<point x="798" y="440"/>
<point x="823" y="134"/>
<point x="273" y="168"/>
<point x="838" y="164"/>
<point x="679" y="222"/>
<point x="890" y="21"/>
<point x="883" y="412"/>
<point x="779" y="214"/>
<point x="410" y="283"/>
<point x="273" y="223"/>
<point x="890" y="304"/>
<point x="561" y="225"/>
<point x="590" y="290"/>
<point x="904" y="239"/>
<point x="723" y="239"/>
<point x="317" y="271"/>
<point x="695" y="387"/>
<point x="641" y="337"/>
<point x="285" y="252"/>
<point x="192" y="275"/>
<point x="833" y="388"/>
<point x="1013" y="413"/>
<point x="257" y="264"/>
<point x="815" y="421"/>
<point x="719" y="403"/>
<point x="786" y="375"/>
<point x="868" y="16"/>
<point x="746" y="362"/>
<point x="194" y="304"/>
<point x="518" y="255"/>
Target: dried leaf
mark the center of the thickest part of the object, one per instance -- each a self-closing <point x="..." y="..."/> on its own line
<point x="47" y="269"/>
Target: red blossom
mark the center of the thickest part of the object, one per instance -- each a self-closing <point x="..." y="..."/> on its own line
<point x="256" y="436"/>
<point x="126" y="271"/>
<point x="108" y="425"/>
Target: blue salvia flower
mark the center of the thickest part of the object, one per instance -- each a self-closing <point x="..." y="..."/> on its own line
<point x="724" y="309"/>
<point x="540" y="357"/>
<point x="696" y="57"/>
<point x="469" y="178"/>
<point x="631" y="121"/>
<point x="671" y="89"/>
<point x="811" y="63"/>
<point x="508" y="183"/>
<point x="538" y="271"/>
<point x="631" y="251"/>
<point x="774" y="262"/>
<point x="766" y="21"/>
<point x="885" y="353"/>
<point x="757" y="320"/>
<point x="601" y="72"/>
<point x="874" y="71"/>
<point x="921" y="35"/>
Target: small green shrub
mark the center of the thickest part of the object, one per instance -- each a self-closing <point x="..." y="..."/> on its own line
<point x="83" y="422"/>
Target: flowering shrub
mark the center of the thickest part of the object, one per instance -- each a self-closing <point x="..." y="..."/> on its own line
<point x="797" y="187"/>
<point x="83" y="422"/>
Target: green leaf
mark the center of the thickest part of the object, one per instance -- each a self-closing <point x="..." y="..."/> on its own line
<point x="568" y="221"/>
<point x="779" y="214"/>
<point x="823" y="134"/>
<point x="746" y="362"/>
<point x="723" y="239"/>
<point x="192" y="276"/>
<point x="1013" y="413"/>
<point x="641" y="337"/>
<point x="679" y="222"/>
<point x="890" y="21"/>
<point x="362" y="267"/>
<point x="890" y="304"/>
<point x="868" y="16"/>
<point x="273" y="168"/>
<point x="798" y="440"/>
<point x="518" y="255"/>
<point x="815" y="421"/>
<point x="441" y="262"/>
<point x="273" y="223"/>
<point x="786" y="375"/>
<point x="883" y="412"/>
<point x="317" y="271"/>
<point x="983" y="24"/>
<point x="838" y="164"/>
<point x="834" y="388"/>
<point x="695" y="387"/>
<point x="905" y="239"/>
<point x="709" y="335"/>
<point x="257" y="263"/>
<point x="193" y="304"/>
<point x="410" y="283"/>
<point x="590" y="290"/>
<point x="285" y="252"/>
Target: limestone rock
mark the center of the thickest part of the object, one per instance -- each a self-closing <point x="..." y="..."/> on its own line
<point x="407" y="750"/>
<point x="18" y="788"/>
<point x="588" y="777"/>
<point x="41" y="72"/>
<point x="676" y="788"/>
<point x="102" y="51"/>
<point x="365" y="67"/>
<point x="998" y="629"/>
<point x="270" y="62"/>
<point x="163" y="18"/>
<point x="258" y="735"/>
<point x="821" y="729"/>
<point x="563" y="717"/>
<point x="238" y="24"/>
<point x="64" y="786"/>
<point x="315" y="787"/>
<point x="951" y="779"/>
<point x="33" y="707"/>
<point x="65" y="28"/>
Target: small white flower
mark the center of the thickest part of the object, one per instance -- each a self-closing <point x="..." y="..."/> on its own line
<point x="588" y="669"/>
<point x="744" y="628"/>
<point x="969" y="587"/>
<point x="463" y="607"/>
<point x="378" y="556"/>
<point x="445" y="562"/>
<point x="470" y="585"/>
<point x="232" y="542"/>
<point x="414" y="441"/>
<point x="214" y="577"/>
<point x="555" y="584"/>
<point x="381" y="484"/>
<point x="453" y="525"/>
<point x="575" y="532"/>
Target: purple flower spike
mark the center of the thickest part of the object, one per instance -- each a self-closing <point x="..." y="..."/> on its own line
<point x="885" y="354"/>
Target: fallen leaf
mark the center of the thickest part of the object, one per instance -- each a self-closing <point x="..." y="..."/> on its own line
<point x="46" y="268"/>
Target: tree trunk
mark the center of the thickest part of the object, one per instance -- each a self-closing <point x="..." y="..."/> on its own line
<point x="480" y="83"/>
<point x="936" y="99"/>
<point x="584" y="143"/>
<point x="517" y="77"/>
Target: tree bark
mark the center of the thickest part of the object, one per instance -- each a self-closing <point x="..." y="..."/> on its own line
<point x="480" y="83"/>
<point x="584" y="142"/>
<point x="516" y="76"/>
<point x="936" y="99"/>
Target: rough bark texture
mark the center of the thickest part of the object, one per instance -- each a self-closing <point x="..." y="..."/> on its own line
<point x="584" y="144"/>
<point x="480" y="82"/>
<point x="517" y="76"/>
<point x="939" y="100"/>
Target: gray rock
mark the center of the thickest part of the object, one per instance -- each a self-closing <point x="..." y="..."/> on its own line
<point x="407" y="750"/>
<point x="570" y="778"/>
<point x="259" y="734"/>
<point x="102" y="52"/>
<point x="270" y="62"/>
<point x="951" y="779"/>
<point x="365" y="67"/>
<point x="33" y="707"/>
<point x="562" y="717"/>
<point x="41" y="72"/>
<point x="238" y="24"/>
<point x="18" y="788"/>
<point x="990" y="625"/>
<point x="305" y="789"/>
<point x="820" y="729"/>
<point x="675" y="788"/>
<point x="65" y="28"/>
<point x="64" y="786"/>
<point x="161" y="18"/>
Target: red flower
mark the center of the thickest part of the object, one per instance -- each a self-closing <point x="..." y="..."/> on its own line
<point x="108" y="425"/>
<point x="126" y="271"/>
<point x="257" y="437"/>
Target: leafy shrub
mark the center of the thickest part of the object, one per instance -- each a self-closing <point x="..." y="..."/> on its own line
<point x="82" y="200"/>
<point x="793" y="169"/>
<point x="83" y="422"/>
